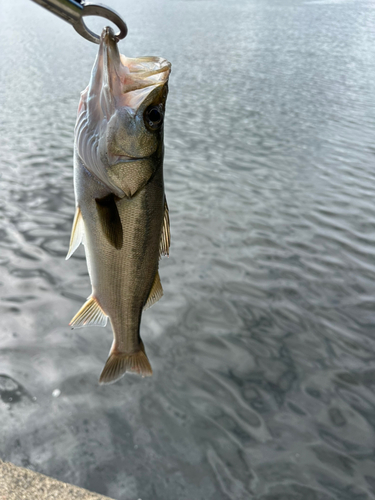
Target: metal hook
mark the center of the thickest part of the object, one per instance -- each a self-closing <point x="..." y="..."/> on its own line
<point x="73" y="12"/>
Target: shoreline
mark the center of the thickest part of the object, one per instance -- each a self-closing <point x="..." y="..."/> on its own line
<point x="18" y="483"/>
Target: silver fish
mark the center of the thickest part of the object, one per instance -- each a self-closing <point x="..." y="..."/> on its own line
<point x="121" y="209"/>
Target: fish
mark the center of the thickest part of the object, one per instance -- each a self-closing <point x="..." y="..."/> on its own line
<point x="122" y="215"/>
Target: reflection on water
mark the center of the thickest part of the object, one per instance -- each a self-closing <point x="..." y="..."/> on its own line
<point x="263" y="347"/>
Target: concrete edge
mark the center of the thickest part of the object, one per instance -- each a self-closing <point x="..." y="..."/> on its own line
<point x="17" y="483"/>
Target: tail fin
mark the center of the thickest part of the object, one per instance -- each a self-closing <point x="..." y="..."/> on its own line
<point x="118" y="363"/>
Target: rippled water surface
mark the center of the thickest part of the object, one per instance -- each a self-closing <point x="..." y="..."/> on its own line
<point x="263" y="347"/>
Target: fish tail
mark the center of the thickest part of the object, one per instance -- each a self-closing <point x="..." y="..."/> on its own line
<point x="118" y="363"/>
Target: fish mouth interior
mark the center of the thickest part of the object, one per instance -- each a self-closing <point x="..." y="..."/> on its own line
<point x="151" y="68"/>
<point x="139" y="76"/>
<point x="128" y="78"/>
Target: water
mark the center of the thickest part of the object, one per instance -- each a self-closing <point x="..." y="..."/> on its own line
<point x="263" y="346"/>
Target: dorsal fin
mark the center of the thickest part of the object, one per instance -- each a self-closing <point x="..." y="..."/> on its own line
<point x="77" y="233"/>
<point x="110" y="221"/>
<point x="90" y="314"/>
<point x="156" y="292"/>
<point x="165" y="239"/>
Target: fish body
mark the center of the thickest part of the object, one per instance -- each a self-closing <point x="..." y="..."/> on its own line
<point x="121" y="209"/>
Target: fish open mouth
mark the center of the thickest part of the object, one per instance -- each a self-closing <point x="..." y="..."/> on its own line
<point x="128" y="78"/>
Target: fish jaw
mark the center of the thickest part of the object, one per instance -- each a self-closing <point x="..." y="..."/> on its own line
<point x="129" y="133"/>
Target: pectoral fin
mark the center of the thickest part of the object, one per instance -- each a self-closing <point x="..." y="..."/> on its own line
<point x="156" y="292"/>
<point x="165" y="239"/>
<point x="77" y="233"/>
<point x="110" y="221"/>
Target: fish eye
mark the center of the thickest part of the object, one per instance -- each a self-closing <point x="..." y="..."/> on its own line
<point x="154" y="117"/>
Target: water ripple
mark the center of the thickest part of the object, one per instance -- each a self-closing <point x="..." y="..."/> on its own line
<point x="262" y="347"/>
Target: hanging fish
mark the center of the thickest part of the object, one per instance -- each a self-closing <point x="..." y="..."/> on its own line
<point x="121" y="210"/>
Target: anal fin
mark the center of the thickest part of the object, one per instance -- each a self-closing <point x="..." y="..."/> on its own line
<point x="90" y="314"/>
<point x="77" y="233"/>
<point x="155" y="294"/>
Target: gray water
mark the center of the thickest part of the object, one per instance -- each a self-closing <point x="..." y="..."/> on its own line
<point x="263" y="346"/>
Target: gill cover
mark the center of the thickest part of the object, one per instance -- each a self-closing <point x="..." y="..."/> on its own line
<point x="110" y="109"/>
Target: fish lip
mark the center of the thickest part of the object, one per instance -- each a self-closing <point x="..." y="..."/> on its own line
<point x="108" y="36"/>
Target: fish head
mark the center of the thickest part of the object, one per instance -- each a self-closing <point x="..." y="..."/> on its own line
<point x="136" y="128"/>
<point x="121" y="112"/>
